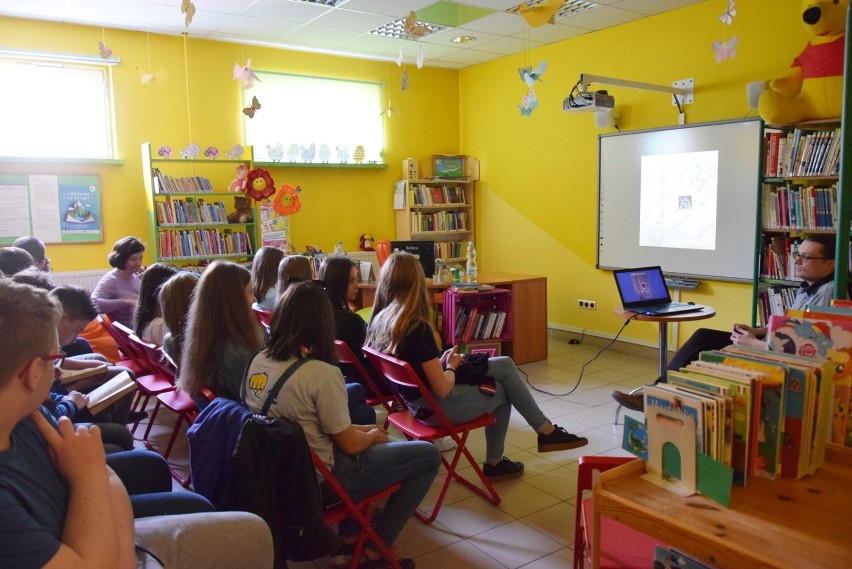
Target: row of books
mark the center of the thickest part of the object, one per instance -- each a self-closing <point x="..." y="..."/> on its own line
<point x="190" y="212"/>
<point x="423" y="195"/>
<point x="164" y="184"/>
<point x="777" y="258"/>
<point x="439" y="221"/>
<point x="203" y="243"/>
<point x="774" y="300"/>
<point x="472" y="323"/>
<point x="760" y="412"/>
<point x="799" y="207"/>
<point x="802" y="153"/>
<point x="450" y="249"/>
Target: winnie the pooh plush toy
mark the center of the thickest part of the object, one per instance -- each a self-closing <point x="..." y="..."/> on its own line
<point x="242" y="211"/>
<point x="812" y="88"/>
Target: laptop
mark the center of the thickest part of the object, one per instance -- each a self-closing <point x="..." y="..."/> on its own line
<point x="644" y="290"/>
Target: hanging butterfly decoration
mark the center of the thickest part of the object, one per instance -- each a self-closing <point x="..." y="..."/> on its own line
<point x="412" y="28"/>
<point x="405" y="79"/>
<point x="727" y="17"/>
<point x="529" y="104"/>
<point x="537" y="14"/>
<point x="725" y="49"/>
<point x="106" y="52"/>
<point x="188" y="9"/>
<point x="259" y="184"/>
<point x="286" y="200"/>
<point x="529" y="76"/>
<point x="146" y="77"/>
<point x="252" y="109"/>
<point x="399" y="58"/>
<point x="245" y="74"/>
<point x="421" y="58"/>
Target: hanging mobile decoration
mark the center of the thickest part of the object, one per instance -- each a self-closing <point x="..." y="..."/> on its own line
<point x="188" y="9"/>
<point x="726" y="48"/>
<point x="245" y="74"/>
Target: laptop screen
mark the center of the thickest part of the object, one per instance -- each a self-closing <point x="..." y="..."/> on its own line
<point x="640" y="287"/>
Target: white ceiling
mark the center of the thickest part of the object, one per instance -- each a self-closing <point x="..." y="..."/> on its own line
<point x="306" y="25"/>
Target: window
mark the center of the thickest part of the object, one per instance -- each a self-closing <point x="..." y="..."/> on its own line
<point x="55" y="109"/>
<point x="298" y="111"/>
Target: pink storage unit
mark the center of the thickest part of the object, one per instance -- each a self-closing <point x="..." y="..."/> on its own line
<point x="460" y="312"/>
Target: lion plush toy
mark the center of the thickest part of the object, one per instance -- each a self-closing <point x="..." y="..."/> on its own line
<point x="812" y="88"/>
<point x="242" y="211"/>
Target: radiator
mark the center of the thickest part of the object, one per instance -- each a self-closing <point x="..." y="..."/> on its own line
<point x="84" y="279"/>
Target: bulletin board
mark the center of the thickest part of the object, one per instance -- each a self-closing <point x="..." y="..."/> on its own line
<point x="54" y="208"/>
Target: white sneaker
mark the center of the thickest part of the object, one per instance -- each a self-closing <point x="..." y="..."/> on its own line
<point x="444" y="444"/>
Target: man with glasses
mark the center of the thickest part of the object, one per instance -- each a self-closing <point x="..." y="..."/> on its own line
<point x="814" y="264"/>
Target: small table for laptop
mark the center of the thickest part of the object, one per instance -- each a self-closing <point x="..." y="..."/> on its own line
<point x="664" y="320"/>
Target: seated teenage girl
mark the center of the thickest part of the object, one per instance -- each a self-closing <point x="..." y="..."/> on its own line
<point x="264" y="276"/>
<point x="148" y="319"/>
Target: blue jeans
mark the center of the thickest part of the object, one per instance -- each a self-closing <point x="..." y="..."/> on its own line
<point x="359" y="412"/>
<point x="413" y="463"/>
<point x="467" y="402"/>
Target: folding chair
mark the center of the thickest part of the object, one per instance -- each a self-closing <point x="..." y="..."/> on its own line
<point x="130" y="357"/>
<point x="345" y="356"/>
<point x="622" y="547"/>
<point x="361" y="511"/>
<point x="263" y="316"/>
<point x="402" y="374"/>
<point x="151" y="384"/>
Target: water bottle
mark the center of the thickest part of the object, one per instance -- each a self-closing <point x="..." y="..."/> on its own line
<point x="339" y="251"/>
<point x="470" y="266"/>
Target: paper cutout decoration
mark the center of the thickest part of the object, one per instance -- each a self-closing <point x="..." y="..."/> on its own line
<point x="412" y="28"/>
<point x="188" y="9"/>
<point x="293" y="153"/>
<point x="728" y="17"/>
<point x="211" y="152"/>
<point x="286" y="200"/>
<point x="540" y="14"/>
<point x="259" y="184"/>
<point x="530" y="102"/>
<point x="236" y="151"/>
<point x="308" y="153"/>
<point x="421" y="58"/>
<point x="190" y="151"/>
<point x="245" y="74"/>
<point x="106" y="52"/>
<point x="529" y="76"/>
<point x="342" y="153"/>
<point x="165" y="151"/>
<point x="725" y="49"/>
<point x="399" y="58"/>
<point x="146" y="77"/>
<point x="324" y="153"/>
<point x="359" y="154"/>
<point x="276" y="153"/>
<point x="252" y="109"/>
<point x="405" y="79"/>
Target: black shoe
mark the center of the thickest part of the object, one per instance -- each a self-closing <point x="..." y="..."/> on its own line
<point x="503" y="470"/>
<point x="560" y="439"/>
<point x="383" y="564"/>
<point x="136" y="416"/>
<point x="632" y="401"/>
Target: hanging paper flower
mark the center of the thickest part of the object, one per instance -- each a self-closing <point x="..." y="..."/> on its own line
<point x="259" y="184"/>
<point x="286" y="201"/>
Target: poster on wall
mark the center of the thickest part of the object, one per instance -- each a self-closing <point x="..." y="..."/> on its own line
<point x="274" y="228"/>
<point x="54" y="208"/>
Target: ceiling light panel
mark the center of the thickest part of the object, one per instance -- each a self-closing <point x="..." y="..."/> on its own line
<point x="396" y="29"/>
<point x="329" y="3"/>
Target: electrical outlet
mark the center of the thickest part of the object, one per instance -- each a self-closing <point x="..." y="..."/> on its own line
<point x="587" y="304"/>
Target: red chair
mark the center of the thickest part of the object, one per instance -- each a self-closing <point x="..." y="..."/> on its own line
<point x="263" y="316"/>
<point x="402" y="374"/>
<point x="345" y="356"/>
<point x="622" y="547"/>
<point x="361" y="511"/>
<point x="130" y="357"/>
<point x="177" y="401"/>
<point x="151" y="384"/>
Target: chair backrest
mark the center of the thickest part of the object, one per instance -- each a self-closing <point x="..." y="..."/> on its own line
<point x="383" y="251"/>
<point x="154" y="358"/>
<point x="344" y="355"/>
<point x="263" y="316"/>
<point x="120" y="340"/>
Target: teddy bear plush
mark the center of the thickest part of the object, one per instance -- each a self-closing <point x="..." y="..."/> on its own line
<point x="812" y="88"/>
<point x="242" y="211"/>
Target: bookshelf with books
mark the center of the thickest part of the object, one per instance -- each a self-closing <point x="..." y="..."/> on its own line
<point x="798" y="197"/>
<point x="477" y="317"/>
<point x="438" y="210"/>
<point x="188" y="207"/>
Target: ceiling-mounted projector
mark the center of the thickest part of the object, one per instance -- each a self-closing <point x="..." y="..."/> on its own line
<point x="588" y="102"/>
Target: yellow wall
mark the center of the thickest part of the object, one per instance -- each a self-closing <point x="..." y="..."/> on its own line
<point x="336" y="204"/>
<point x="538" y="191"/>
<point x="537" y="197"/>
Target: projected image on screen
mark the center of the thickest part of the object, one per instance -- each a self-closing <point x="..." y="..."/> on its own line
<point x="678" y="200"/>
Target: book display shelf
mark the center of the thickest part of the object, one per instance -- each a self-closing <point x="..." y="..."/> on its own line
<point x="798" y="197"/>
<point x="482" y="317"/>
<point x="439" y="210"/>
<point x="188" y="206"/>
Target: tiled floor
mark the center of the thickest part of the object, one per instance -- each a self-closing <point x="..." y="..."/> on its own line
<point x="533" y="527"/>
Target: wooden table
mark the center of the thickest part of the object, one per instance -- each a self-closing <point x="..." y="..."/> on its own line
<point x="664" y="320"/>
<point x="529" y="311"/>
<point x="777" y="524"/>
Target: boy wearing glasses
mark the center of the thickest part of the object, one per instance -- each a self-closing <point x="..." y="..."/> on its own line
<point x="53" y="483"/>
<point x="814" y="263"/>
